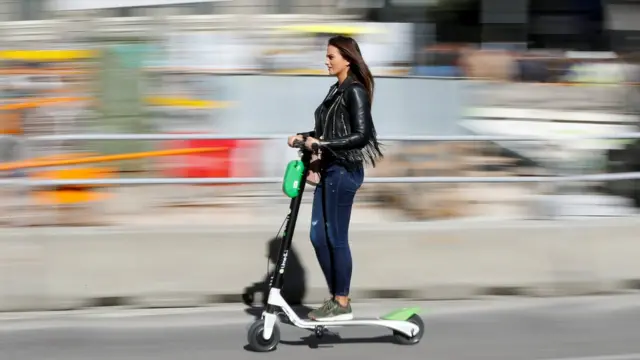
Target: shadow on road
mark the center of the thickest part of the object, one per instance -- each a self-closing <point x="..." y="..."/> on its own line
<point x="333" y="339"/>
<point x="293" y="290"/>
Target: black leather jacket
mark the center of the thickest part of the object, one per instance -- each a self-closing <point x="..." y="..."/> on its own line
<point x="344" y="126"/>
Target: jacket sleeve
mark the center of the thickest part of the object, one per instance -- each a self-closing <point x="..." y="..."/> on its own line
<point x="311" y="133"/>
<point x="359" y="109"/>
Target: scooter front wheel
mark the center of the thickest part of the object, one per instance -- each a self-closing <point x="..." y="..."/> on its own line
<point x="256" y="340"/>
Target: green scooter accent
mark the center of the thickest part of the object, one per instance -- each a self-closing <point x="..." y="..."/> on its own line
<point x="401" y="314"/>
<point x="292" y="178"/>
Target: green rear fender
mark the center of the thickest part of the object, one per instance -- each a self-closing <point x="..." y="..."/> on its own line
<point x="401" y="314"/>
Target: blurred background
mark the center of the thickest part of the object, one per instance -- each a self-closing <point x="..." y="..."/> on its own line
<point x="143" y="146"/>
<point x="171" y="112"/>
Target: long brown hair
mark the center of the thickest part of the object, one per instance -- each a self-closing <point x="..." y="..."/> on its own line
<point x="350" y="50"/>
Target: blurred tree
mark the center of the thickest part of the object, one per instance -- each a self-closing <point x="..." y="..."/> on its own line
<point x="120" y="91"/>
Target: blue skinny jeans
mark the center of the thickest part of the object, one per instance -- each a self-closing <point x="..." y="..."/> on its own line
<point x="330" y="217"/>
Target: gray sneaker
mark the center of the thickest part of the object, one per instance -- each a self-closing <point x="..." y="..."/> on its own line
<point x="332" y="311"/>
<point x="326" y="305"/>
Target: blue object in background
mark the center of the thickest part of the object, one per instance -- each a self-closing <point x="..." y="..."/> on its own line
<point x="439" y="71"/>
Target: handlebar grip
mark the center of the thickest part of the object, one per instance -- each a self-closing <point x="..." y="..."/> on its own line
<point x="300" y="144"/>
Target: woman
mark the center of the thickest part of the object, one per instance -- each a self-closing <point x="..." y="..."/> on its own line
<point x="345" y="132"/>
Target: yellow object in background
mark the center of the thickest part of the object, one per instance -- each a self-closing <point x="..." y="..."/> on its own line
<point x="47" y="55"/>
<point x="186" y="102"/>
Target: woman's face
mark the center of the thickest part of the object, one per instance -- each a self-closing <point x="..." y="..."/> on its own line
<point x="336" y="64"/>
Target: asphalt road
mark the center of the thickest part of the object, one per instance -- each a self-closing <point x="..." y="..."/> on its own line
<point x="594" y="328"/>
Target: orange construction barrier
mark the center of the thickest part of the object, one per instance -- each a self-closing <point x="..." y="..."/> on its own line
<point x="30" y="103"/>
<point x="11" y="123"/>
<point x="74" y="194"/>
<point x="104" y="158"/>
<point x="12" y="112"/>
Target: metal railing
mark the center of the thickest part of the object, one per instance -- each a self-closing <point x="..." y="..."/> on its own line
<point x="268" y="180"/>
<point x="386" y="180"/>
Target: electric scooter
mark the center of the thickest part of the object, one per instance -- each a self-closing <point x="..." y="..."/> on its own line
<point x="264" y="334"/>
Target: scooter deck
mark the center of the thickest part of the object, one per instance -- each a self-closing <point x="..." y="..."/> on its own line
<point x="352" y="322"/>
<point x="401" y="314"/>
<point x="310" y="324"/>
<point x="406" y="327"/>
<point x="398" y="315"/>
<point x="356" y="319"/>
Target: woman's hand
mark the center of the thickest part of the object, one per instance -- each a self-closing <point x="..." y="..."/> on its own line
<point x="294" y="138"/>
<point x="310" y="141"/>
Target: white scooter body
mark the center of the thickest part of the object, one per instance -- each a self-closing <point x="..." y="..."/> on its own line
<point x="276" y="299"/>
<point x="264" y="334"/>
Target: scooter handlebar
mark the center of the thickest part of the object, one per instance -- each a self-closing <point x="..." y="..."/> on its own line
<point x="300" y="144"/>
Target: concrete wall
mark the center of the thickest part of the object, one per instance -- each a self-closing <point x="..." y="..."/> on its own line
<point x="281" y="104"/>
<point x="67" y="268"/>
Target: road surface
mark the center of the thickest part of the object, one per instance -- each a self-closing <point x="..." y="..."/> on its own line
<point x="588" y="328"/>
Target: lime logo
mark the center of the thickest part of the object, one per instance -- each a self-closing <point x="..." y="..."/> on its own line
<point x="284" y="261"/>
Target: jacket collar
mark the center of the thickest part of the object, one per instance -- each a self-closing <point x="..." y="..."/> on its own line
<point x="337" y="88"/>
<point x="345" y="84"/>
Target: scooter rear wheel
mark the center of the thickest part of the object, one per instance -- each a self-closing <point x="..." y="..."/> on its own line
<point x="403" y="339"/>
<point x="257" y="342"/>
